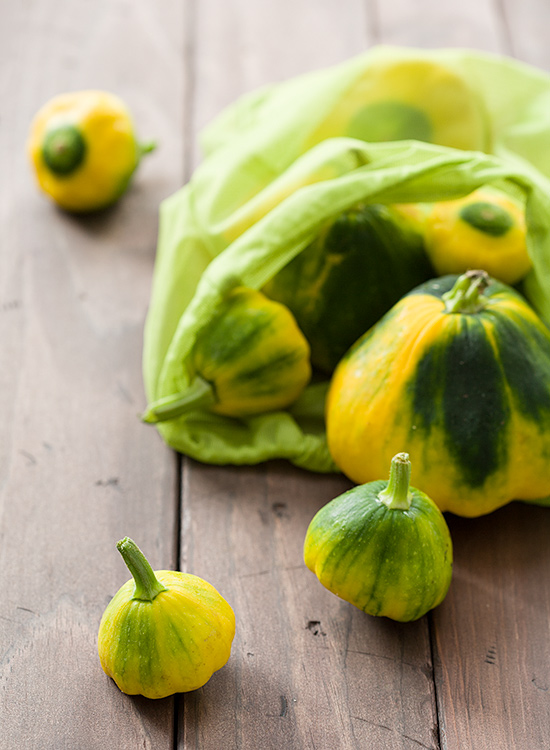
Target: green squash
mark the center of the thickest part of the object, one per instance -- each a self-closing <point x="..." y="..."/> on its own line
<point x="459" y="372"/>
<point x="383" y="546"/>
<point x="250" y="358"/>
<point x="163" y="632"/>
<point x="361" y="263"/>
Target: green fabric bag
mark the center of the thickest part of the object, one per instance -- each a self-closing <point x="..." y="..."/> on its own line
<point x="281" y="162"/>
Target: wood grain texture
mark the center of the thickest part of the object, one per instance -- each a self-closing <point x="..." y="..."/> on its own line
<point x="527" y="23"/>
<point x="77" y="468"/>
<point x="493" y="633"/>
<point x="441" y="23"/>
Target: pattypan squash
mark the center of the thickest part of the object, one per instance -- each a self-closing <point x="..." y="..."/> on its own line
<point x="249" y="358"/>
<point x="359" y="265"/>
<point x="84" y="150"/>
<point x="163" y="632"/>
<point x="485" y="230"/>
<point x="459" y="372"/>
<point x="383" y="546"/>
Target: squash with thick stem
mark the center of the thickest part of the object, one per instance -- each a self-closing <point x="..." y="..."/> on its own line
<point x="163" y="632"/>
<point x="459" y="372"/>
<point x="383" y="546"/>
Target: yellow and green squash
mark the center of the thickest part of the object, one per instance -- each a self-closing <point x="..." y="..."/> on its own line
<point x="163" y="632"/>
<point x="459" y="372"/>
<point x="358" y="266"/>
<point x="485" y="230"/>
<point x="250" y="358"/>
<point x="395" y="100"/>
<point x="383" y="546"/>
<point x="84" y="150"/>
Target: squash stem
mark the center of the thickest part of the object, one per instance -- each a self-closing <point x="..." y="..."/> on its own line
<point x="147" y="585"/>
<point x="146" y="148"/>
<point x="63" y="150"/>
<point x="397" y="495"/>
<point x="466" y="294"/>
<point x="488" y="218"/>
<point x="200" y="394"/>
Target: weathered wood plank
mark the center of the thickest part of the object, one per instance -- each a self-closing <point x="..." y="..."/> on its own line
<point x="243" y="45"/>
<point x="433" y="23"/>
<point x="493" y="633"/>
<point x="527" y="25"/>
<point x="77" y="469"/>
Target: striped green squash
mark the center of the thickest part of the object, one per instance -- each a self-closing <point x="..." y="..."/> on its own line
<point x="250" y="358"/>
<point x="383" y="546"/>
<point x="163" y="632"/>
<point x="459" y="372"/>
<point x="360" y="264"/>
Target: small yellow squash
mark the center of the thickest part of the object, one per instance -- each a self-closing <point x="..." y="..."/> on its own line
<point x="486" y="230"/>
<point x="84" y="150"/>
<point x="408" y="99"/>
<point x="163" y="632"/>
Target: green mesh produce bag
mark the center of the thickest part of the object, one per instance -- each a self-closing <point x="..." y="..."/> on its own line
<point x="282" y="161"/>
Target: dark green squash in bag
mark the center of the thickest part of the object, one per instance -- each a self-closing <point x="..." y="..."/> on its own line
<point x="351" y="274"/>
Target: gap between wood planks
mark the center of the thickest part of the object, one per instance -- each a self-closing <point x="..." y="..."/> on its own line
<point x="189" y="63"/>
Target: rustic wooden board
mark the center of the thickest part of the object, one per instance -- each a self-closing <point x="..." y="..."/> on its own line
<point x="492" y="636"/>
<point x="242" y="45"/>
<point x="526" y="24"/>
<point x="441" y="23"/>
<point x="78" y="470"/>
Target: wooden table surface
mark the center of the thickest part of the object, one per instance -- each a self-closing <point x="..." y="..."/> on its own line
<point x="78" y="470"/>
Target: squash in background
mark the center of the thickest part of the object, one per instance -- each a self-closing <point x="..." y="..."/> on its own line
<point x="396" y="100"/>
<point x="84" y="150"/>
<point x="486" y="230"/>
